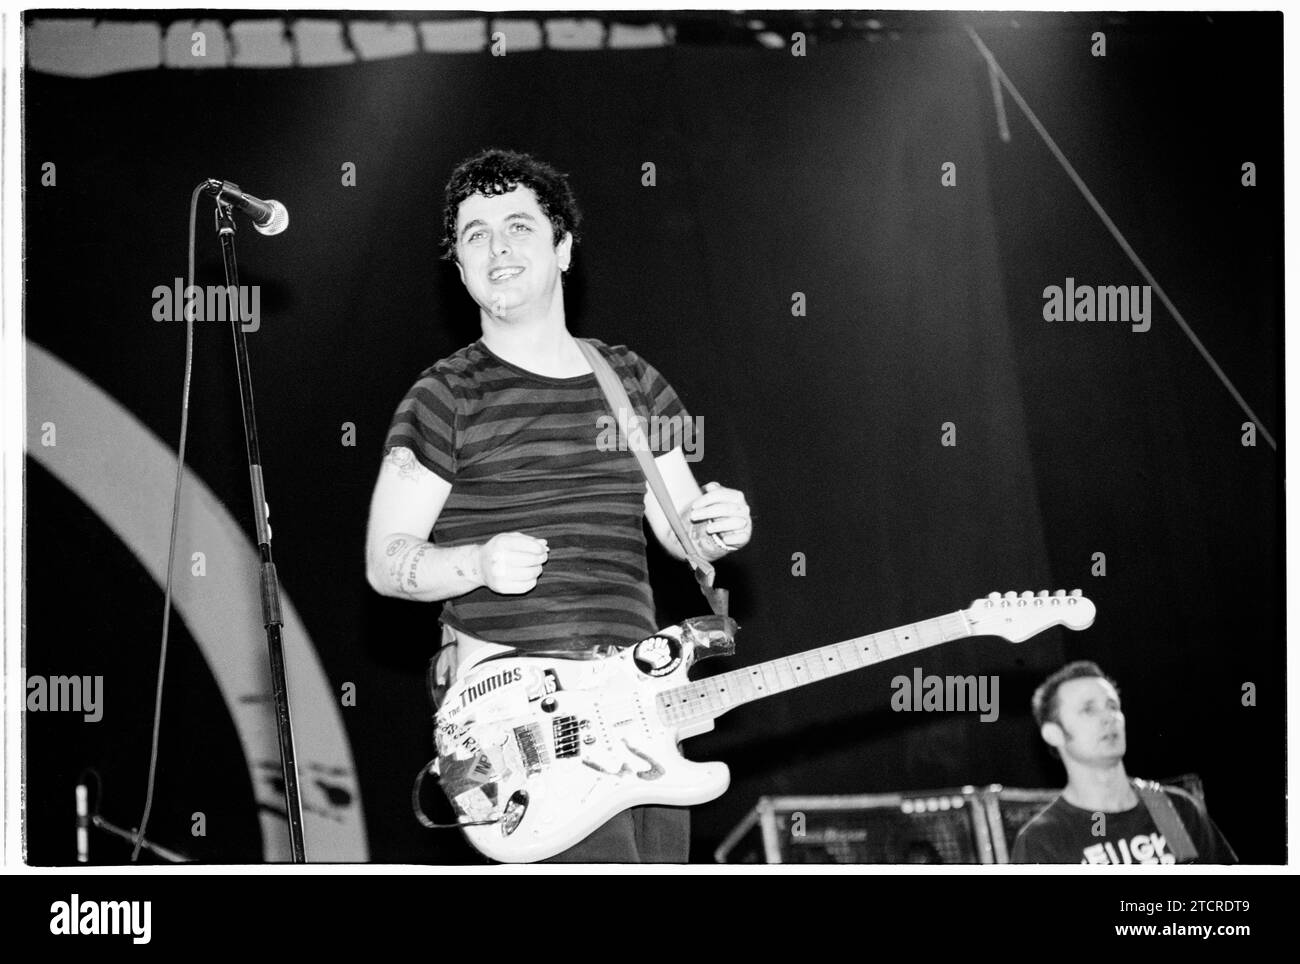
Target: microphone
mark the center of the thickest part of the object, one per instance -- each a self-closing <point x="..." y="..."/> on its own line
<point x="269" y="217"/>
<point x="83" y="825"/>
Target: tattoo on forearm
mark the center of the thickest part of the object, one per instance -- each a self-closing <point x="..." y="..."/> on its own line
<point x="404" y="460"/>
<point x="413" y="583"/>
<point x="467" y="571"/>
<point x="404" y="562"/>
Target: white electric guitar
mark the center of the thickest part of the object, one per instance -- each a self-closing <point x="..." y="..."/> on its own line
<point x="537" y="752"/>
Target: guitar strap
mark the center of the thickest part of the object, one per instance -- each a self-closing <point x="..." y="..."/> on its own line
<point x="616" y="396"/>
<point x="1167" y="821"/>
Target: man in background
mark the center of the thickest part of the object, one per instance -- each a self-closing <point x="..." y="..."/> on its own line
<point x="1103" y="816"/>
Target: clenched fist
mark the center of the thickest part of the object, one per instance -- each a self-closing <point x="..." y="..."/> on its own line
<point x="511" y="562"/>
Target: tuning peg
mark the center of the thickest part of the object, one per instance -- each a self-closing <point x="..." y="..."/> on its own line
<point x="1077" y="593"/>
<point x="1059" y="594"/>
<point x="1026" y="595"/>
<point x="995" y="595"/>
<point x="1042" y="594"/>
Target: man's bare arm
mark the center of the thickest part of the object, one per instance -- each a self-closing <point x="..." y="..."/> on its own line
<point x="401" y="562"/>
<point x="717" y="521"/>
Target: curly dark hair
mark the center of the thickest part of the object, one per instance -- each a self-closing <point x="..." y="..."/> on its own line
<point x="493" y="172"/>
<point x="1045" y="705"/>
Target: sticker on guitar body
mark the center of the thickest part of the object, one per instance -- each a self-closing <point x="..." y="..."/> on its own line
<point x="490" y="683"/>
<point x="658" y="655"/>
<point x="451" y="736"/>
<point x="542" y="684"/>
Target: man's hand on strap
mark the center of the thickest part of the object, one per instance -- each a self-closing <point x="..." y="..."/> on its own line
<point x="718" y="521"/>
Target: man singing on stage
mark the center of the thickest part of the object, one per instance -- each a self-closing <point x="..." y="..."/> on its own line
<point x="496" y="496"/>
<point x="1102" y="816"/>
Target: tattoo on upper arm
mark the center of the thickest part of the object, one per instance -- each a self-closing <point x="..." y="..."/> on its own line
<point x="404" y="460"/>
<point x="394" y="552"/>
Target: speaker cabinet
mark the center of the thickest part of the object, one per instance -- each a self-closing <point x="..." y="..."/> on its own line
<point x="965" y="826"/>
<point x="938" y="827"/>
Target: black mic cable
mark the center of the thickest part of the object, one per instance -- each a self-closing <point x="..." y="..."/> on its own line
<point x="171" y="547"/>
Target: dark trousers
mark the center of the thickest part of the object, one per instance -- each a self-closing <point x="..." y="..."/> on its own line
<point x="642" y="835"/>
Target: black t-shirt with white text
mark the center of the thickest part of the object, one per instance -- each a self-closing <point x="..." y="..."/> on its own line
<point x="1065" y="834"/>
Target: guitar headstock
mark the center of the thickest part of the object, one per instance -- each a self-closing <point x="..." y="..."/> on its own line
<point x="1017" y="616"/>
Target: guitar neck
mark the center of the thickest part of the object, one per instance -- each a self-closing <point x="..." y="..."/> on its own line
<point x="710" y="698"/>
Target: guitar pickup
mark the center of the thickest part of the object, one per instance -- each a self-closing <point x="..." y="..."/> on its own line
<point x="567" y="734"/>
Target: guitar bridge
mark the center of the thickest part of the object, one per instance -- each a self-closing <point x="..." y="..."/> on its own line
<point x="532" y="748"/>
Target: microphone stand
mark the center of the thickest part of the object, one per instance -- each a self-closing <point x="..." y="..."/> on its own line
<point x="130" y="837"/>
<point x="271" y="615"/>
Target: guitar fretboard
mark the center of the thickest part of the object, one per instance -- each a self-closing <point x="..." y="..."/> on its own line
<point x="712" y="697"/>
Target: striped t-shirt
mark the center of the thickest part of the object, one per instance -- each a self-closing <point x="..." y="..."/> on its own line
<point x="532" y="454"/>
